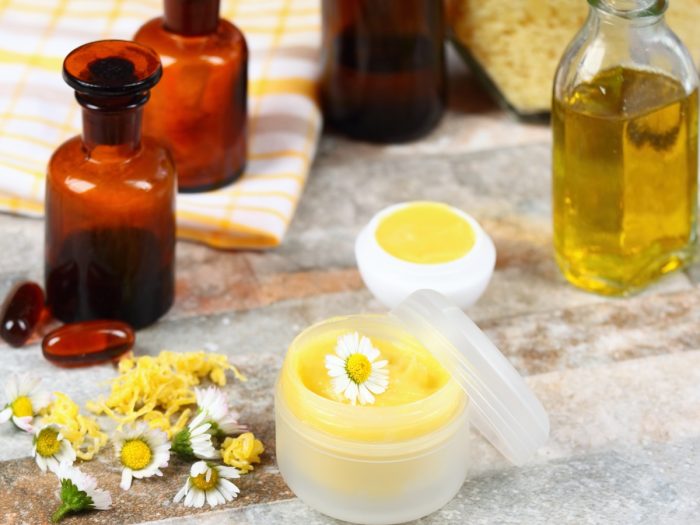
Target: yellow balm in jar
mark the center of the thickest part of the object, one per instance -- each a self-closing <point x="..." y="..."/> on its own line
<point x="404" y="454"/>
<point x="425" y="245"/>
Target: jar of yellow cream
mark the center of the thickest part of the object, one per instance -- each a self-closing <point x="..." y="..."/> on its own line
<point x="404" y="454"/>
<point x="425" y="245"/>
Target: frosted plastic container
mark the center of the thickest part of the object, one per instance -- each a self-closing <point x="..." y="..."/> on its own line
<point x="408" y="460"/>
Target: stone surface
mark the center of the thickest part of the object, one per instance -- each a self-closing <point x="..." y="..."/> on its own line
<point x="619" y="378"/>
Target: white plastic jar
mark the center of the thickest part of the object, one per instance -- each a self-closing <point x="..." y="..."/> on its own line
<point x="425" y="245"/>
<point x="391" y="464"/>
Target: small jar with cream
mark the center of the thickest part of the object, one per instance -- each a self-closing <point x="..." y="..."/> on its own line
<point x="425" y="245"/>
<point x="372" y="411"/>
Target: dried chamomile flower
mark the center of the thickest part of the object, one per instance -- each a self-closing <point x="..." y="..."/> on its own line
<point x="241" y="452"/>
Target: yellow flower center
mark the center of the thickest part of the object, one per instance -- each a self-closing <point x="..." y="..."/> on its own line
<point x="22" y="407"/>
<point x="358" y="368"/>
<point x="136" y="454"/>
<point x="47" y="443"/>
<point x="201" y="481"/>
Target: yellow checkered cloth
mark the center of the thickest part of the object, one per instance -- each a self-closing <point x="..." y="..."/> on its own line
<point x="38" y="111"/>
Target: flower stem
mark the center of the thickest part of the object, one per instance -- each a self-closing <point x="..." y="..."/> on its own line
<point x="61" y="513"/>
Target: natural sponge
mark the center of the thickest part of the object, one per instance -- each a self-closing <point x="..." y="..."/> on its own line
<point x="518" y="43"/>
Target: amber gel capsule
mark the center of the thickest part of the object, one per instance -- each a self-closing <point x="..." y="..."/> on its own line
<point x="88" y="343"/>
<point x="21" y="313"/>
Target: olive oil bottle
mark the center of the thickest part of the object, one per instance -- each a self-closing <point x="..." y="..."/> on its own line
<point x="625" y="157"/>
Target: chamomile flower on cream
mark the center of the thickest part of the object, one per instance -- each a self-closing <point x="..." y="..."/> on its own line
<point x="142" y="452"/>
<point x="210" y="483"/>
<point x="24" y="401"/>
<point x="355" y="370"/>
<point x="79" y="493"/>
<point x="51" y="448"/>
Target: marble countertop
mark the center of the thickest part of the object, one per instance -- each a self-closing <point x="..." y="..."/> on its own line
<point x="619" y="378"/>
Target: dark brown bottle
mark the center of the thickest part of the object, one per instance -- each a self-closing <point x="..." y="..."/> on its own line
<point x="383" y="67"/>
<point x="110" y="195"/>
<point x="199" y="108"/>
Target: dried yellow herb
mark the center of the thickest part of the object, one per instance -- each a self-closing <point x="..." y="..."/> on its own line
<point x="83" y="432"/>
<point x="158" y="389"/>
<point x="241" y="452"/>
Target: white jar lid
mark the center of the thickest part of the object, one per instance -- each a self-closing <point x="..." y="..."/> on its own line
<point x="391" y="279"/>
<point x="504" y="409"/>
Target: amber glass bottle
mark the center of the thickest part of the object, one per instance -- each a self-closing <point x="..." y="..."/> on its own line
<point x="110" y="195"/>
<point x="199" y="108"/>
<point x="383" y="67"/>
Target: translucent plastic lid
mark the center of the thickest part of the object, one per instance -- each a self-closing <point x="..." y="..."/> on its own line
<point x="504" y="409"/>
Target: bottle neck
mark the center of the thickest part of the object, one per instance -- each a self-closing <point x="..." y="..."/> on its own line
<point x="191" y="17"/>
<point x="631" y="9"/>
<point x="117" y="132"/>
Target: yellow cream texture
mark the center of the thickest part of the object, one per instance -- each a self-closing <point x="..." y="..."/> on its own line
<point x="414" y="373"/>
<point x="425" y="233"/>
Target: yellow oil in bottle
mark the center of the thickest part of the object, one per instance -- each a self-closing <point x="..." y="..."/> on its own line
<point x="625" y="179"/>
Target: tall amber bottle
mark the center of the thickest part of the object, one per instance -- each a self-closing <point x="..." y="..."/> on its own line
<point x="110" y="195"/>
<point x="199" y="108"/>
<point x="383" y="67"/>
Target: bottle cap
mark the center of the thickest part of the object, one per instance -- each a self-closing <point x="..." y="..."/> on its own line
<point x="503" y="408"/>
<point x="112" y="68"/>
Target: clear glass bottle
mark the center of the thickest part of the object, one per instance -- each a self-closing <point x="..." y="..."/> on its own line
<point x="383" y="67"/>
<point x="199" y="108"/>
<point x="110" y="196"/>
<point x="625" y="162"/>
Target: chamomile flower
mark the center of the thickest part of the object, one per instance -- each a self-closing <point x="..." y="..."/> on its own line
<point x="51" y="449"/>
<point x="79" y="492"/>
<point x="355" y="371"/>
<point x="195" y="441"/>
<point x="210" y="483"/>
<point x="142" y="451"/>
<point x="24" y="401"/>
<point x="214" y="404"/>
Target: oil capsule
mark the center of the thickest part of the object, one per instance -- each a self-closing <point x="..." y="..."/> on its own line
<point x="21" y="313"/>
<point x="88" y="343"/>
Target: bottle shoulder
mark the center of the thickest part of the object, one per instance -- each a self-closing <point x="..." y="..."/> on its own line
<point x="599" y="47"/>
<point x="228" y="43"/>
<point x="152" y="162"/>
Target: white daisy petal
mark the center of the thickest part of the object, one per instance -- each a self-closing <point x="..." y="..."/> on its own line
<point x="5" y="415"/>
<point x="189" y="498"/>
<point x="228" y="472"/>
<point x="340" y="384"/>
<point x="11" y="388"/>
<point x="23" y="423"/>
<point x="181" y="493"/>
<point x="126" y="479"/>
<point x="366" y="397"/>
<point x="199" y="499"/>
<point x="199" y="468"/>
